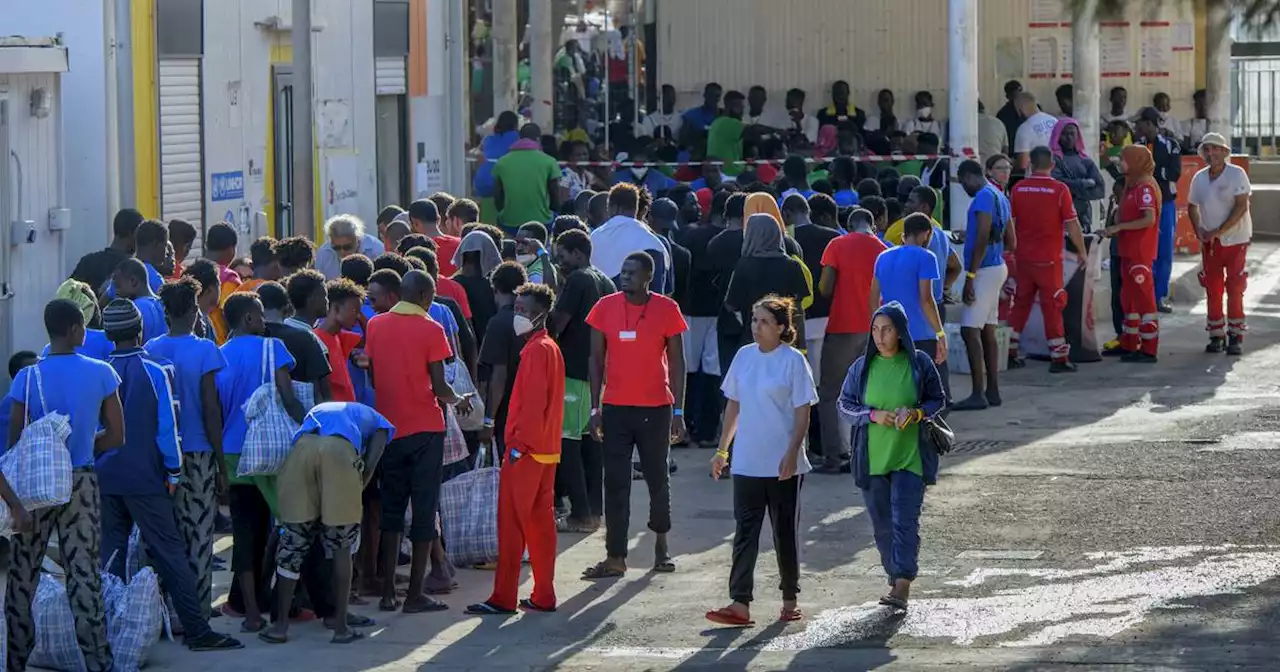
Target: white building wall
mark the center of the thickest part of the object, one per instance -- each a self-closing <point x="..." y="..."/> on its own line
<point x="38" y="268"/>
<point x="84" y="101"/>
<point x="895" y="44"/>
<point x="238" y="64"/>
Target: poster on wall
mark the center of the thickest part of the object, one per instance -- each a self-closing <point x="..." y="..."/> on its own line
<point x="1183" y="36"/>
<point x="1009" y="58"/>
<point x="1155" y="49"/>
<point x="1067" y="57"/>
<point x="1048" y="13"/>
<point x="342" y="183"/>
<point x="1115" y="52"/>
<point x="1042" y="57"/>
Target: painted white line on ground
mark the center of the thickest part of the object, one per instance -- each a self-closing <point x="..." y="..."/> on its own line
<point x="1008" y="554"/>
<point x="664" y="653"/>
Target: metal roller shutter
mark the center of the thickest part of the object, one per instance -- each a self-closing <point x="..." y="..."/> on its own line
<point x="389" y="75"/>
<point x="181" y="149"/>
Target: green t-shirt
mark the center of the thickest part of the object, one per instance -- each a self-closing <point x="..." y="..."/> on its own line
<point x="524" y="174"/>
<point x="890" y="387"/>
<point x="724" y="141"/>
<point x="911" y="167"/>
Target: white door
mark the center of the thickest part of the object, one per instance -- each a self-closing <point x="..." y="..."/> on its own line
<point x="181" y="151"/>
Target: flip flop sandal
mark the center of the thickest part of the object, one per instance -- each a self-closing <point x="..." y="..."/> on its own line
<point x="487" y="609"/>
<point x="423" y="605"/>
<point x="791" y="615"/>
<point x="528" y="605"/>
<point x="246" y="627"/>
<point x="664" y="566"/>
<point x="570" y="526"/>
<point x="357" y="621"/>
<point x="272" y="638"/>
<point x="726" y="616"/>
<point x="214" y="642"/>
<point x="351" y="636"/>
<point x="603" y="571"/>
<point x="895" y="602"/>
<point x="391" y="606"/>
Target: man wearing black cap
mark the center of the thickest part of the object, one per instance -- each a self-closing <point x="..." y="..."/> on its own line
<point x="526" y="182"/>
<point x="1168" y="158"/>
<point x="137" y="486"/>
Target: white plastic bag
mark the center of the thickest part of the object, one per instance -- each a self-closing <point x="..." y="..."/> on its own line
<point x="459" y="378"/>
<point x="270" y="434"/>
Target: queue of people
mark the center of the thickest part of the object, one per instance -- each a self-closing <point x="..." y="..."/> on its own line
<point x="587" y="336"/>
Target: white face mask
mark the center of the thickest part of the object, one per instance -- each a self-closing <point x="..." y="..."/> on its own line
<point x="639" y="172"/>
<point x="522" y="324"/>
<point x="924" y="112"/>
<point x="526" y="259"/>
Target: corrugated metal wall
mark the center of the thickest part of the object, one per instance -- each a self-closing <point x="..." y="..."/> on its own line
<point x="895" y="44"/>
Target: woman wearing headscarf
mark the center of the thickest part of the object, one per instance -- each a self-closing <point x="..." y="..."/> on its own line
<point x="1137" y="233"/>
<point x="761" y="203"/>
<point x="96" y="345"/>
<point x="476" y="257"/>
<point x="765" y="268"/>
<point x="888" y="394"/>
<point x="1073" y="167"/>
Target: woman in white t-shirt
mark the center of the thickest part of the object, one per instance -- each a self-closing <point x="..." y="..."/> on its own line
<point x="770" y="391"/>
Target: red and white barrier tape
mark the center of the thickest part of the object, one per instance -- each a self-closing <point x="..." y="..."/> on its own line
<point x="861" y="158"/>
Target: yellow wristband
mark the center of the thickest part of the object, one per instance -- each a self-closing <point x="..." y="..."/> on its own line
<point x="724" y="454"/>
<point x="971" y="275"/>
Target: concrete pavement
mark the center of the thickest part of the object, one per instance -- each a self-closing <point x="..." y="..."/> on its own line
<point x="1120" y="516"/>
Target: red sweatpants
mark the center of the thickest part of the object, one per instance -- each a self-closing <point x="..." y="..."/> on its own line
<point x="1138" y="300"/>
<point x="526" y="518"/>
<point x="1043" y="280"/>
<point x="1224" y="272"/>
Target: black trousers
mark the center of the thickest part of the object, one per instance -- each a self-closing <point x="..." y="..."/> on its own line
<point x="582" y="472"/>
<point x="1117" y="310"/>
<point x="648" y="431"/>
<point x="702" y="406"/>
<point x="753" y="498"/>
<point x="250" y="531"/>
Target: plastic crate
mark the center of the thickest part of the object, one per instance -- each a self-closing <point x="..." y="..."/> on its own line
<point x="958" y="356"/>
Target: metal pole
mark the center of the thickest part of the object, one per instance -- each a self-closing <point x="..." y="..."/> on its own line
<point x="540" y="64"/>
<point x="1218" y="70"/>
<point x="506" y="55"/>
<point x="112" y="91"/>
<point x="1086" y="71"/>
<point x="608" y="109"/>
<point x="633" y="63"/>
<point x="962" y="61"/>
<point x="304" y="176"/>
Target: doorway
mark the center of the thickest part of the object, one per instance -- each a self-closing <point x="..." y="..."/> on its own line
<point x="392" y="131"/>
<point x="282" y="125"/>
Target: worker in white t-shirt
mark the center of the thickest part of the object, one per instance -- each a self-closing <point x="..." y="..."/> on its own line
<point x="1035" y="131"/>
<point x="1219" y="208"/>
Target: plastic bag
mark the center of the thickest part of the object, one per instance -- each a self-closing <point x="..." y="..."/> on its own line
<point x="469" y="514"/>
<point x="56" y="647"/>
<point x="270" y="435"/>
<point x="38" y="467"/>
<point x="134" y="625"/>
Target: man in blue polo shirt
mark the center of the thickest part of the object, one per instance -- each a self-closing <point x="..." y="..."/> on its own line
<point x="335" y="452"/>
<point x="139" y="475"/>
<point x="84" y="390"/>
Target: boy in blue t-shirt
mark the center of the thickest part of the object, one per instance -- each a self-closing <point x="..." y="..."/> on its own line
<point x="130" y="280"/>
<point x="139" y="475"/>
<point x="84" y="390"/>
<point x="195" y="362"/>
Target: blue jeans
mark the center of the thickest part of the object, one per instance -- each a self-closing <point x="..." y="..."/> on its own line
<point x="893" y="502"/>
<point x="1164" y="254"/>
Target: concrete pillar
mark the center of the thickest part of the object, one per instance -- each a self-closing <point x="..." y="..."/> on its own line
<point x="1217" y="73"/>
<point x="1086" y="72"/>
<point x="541" y="66"/>
<point x="304" y="176"/>
<point x="506" y="55"/>
<point x="962" y="110"/>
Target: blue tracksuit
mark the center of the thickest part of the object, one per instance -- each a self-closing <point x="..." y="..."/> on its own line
<point x="133" y="479"/>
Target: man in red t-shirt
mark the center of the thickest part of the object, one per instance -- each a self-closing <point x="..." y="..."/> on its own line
<point x="334" y="330"/>
<point x="526" y="496"/>
<point x="407" y="350"/>
<point x="1136" y="225"/>
<point x="1042" y="210"/>
<point x="424" y="217"/>
<point x="637" y="373"/>
<point x="848" y="267"/>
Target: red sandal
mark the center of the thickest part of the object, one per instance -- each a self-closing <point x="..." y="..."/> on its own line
<point x="791" y="615"/>
<point x="727" y="616"/>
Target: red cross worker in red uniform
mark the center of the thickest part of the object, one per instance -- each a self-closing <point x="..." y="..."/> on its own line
<point x="1042" y="211"/>
<point x="526" y="491"/>
<point x="1136" y="225"/>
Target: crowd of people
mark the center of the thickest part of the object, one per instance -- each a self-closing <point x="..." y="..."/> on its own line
<point x="715" y="311"/>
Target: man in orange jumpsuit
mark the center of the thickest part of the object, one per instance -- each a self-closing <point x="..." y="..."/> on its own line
<point x="526" y="496"/>
<point x="1136" y="224"/>
<point x="1042" y="210"/>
